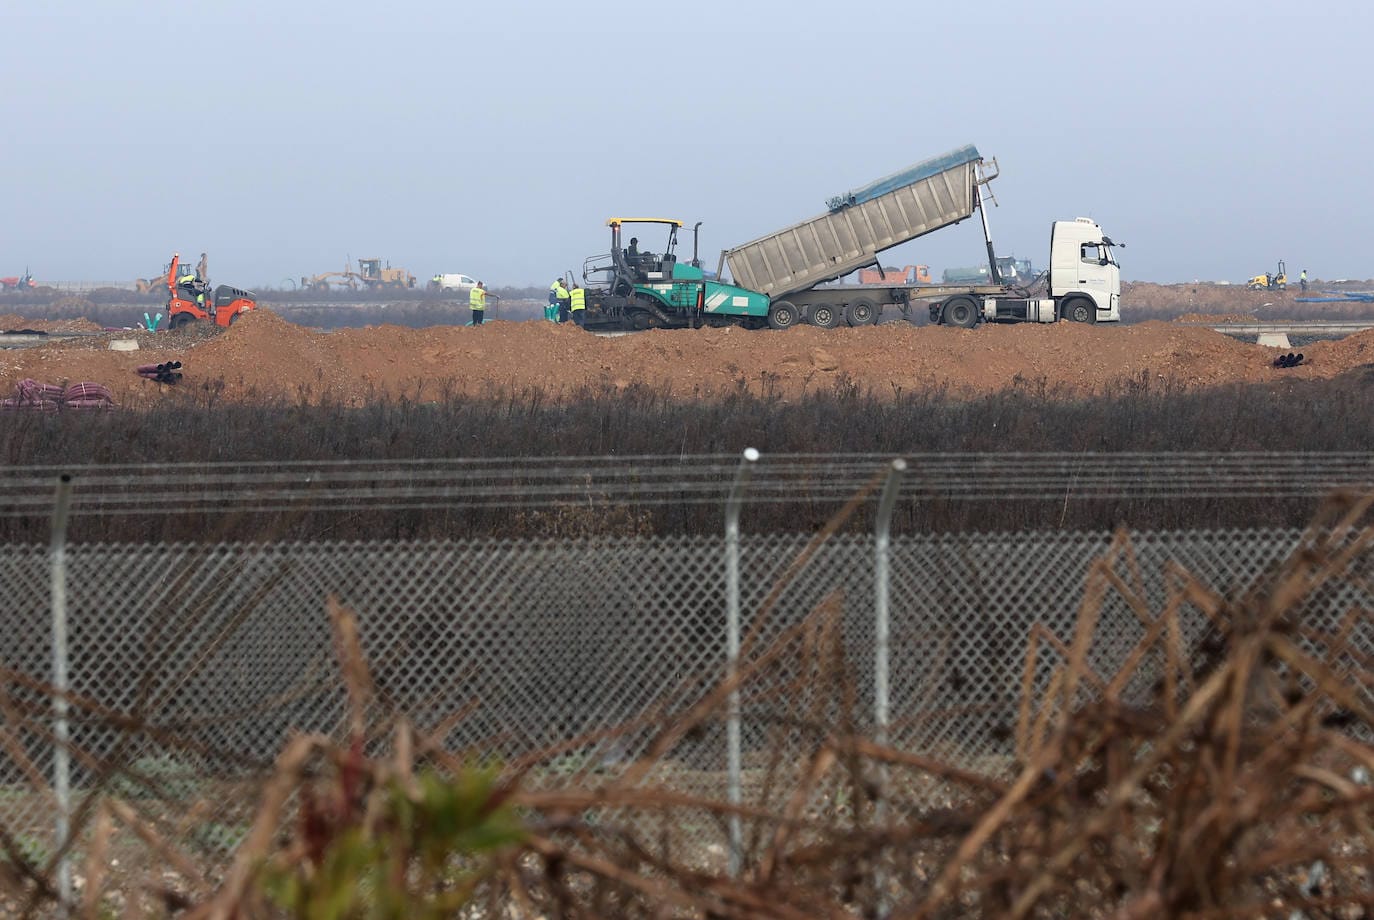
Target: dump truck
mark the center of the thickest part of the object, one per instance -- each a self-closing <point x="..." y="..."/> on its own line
<point x="788" y="277"/>
<point x="795" y="265"/>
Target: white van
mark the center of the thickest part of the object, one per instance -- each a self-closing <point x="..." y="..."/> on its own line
<point x="453" y="283"/>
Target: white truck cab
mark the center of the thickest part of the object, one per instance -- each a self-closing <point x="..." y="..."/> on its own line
<point x="1082" y="265"/>
<point x="453" y="282"/>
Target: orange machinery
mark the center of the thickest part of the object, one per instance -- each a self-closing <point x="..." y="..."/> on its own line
<point x="911" y="274"/>
<point x="193" y="301"/>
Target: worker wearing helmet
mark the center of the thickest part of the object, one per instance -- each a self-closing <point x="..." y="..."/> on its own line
<point x="477" y="300"/>
<point x="551" y="311"/>
<point x="194" y="286"/>
<point x="560" y="294"/>
<point x="577" y="304"/>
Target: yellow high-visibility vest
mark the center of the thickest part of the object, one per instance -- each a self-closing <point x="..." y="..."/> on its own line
<point x="579" y="299"/>
<point x="477" y="299"/>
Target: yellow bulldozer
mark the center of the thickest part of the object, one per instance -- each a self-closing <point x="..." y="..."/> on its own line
<point x="371" y="275"/>
<point x="1270" y="281"/>
<point x="375" y="276"/>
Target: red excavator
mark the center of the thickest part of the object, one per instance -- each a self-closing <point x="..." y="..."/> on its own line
<point x="189" y="298"/>
<point x="18" y="282"/>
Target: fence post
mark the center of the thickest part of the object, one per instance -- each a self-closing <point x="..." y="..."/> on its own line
<point x="61" y="754"/>
<point x="734" y="757"/>
<point x="882" y="626"/>
<point x="882" y="633"/>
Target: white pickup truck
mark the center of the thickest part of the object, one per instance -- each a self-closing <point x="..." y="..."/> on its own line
<point x="462" y="283"/>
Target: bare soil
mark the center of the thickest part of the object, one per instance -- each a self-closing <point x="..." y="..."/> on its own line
<point x="263" y="358"/>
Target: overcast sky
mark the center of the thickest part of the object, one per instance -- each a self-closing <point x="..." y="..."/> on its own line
<point x="1214" y="137"/>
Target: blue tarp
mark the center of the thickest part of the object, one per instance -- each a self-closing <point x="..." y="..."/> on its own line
<point x="922" y="170"/>
<point x="1339" y="297"/>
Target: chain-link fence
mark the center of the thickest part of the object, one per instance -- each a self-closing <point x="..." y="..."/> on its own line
<point x="191" y="665"/>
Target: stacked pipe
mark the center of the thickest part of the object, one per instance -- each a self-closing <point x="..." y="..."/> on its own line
<point x="1288" y="360"/>
<point x="49" y="397"/>
<point x="167" y="372"/>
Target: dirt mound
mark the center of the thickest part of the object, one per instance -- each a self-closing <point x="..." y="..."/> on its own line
<point x="263" y="357"/>
<point x="1208" y="302"/>
<point x="12" y="321"/>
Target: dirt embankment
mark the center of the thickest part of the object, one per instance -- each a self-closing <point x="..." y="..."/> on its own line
<point x="263" y="357"/>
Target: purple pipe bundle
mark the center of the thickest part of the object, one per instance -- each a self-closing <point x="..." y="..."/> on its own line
<point x="49" y="397"/>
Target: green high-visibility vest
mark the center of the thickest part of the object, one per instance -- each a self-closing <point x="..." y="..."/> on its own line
<point x="579" y="299"/>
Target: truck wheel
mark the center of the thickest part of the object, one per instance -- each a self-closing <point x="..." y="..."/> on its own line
<point x="825" y="316"/>
<point x="782" y="315"/>
<point x="181" y="321"/>
<point x="861" y="312"/>
<point x="961" y="312"/>
<point x="1079" y="310"/>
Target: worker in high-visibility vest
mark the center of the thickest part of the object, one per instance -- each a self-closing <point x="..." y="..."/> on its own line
<point x="477" y="300"/>
<point x="551" y="311"/>
<point x="577" y="304"/>
<point x="561" y="293"/>
<point x="192" y="283"/>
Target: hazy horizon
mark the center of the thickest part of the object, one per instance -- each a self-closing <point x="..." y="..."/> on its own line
<point x="283" y="139"/>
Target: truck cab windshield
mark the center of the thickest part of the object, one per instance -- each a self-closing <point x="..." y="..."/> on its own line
<point x="1098" y="254"/>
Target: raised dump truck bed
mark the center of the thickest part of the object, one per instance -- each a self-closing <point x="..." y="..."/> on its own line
<point x="860" y="224"/>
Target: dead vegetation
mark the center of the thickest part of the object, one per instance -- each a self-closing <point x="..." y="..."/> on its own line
<point x="1227" y="777"/>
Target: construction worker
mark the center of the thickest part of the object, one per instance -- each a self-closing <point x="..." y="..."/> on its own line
<point x="577" y="304"/>
<point x="477" y="300"/>
<point x="551" y="311"/>
<point x="561" y="293"/>
<point x="1302" y="280"/>
<point x="193" y="285"/>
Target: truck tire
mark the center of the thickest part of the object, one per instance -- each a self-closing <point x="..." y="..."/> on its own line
<point x="824" y="316"/>
<point x="782" y="315"/>
<point x="1078" y="310"/>
<point x="961" y="312"/>
<point x="181" y="321"/>
<point x="861" y="312"/>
